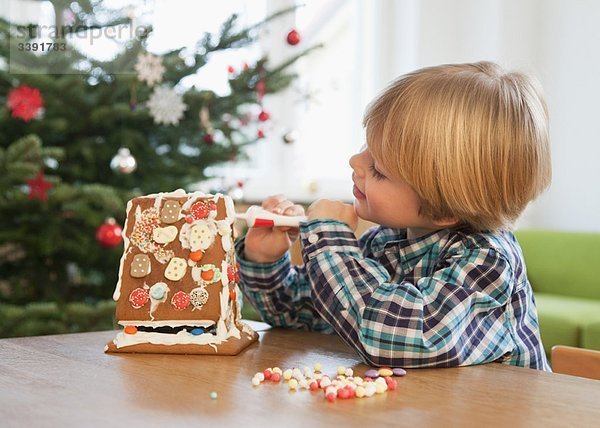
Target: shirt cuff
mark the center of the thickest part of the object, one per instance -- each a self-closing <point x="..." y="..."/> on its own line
<point x="260" y="276"/>
<point x="320" y="235"/>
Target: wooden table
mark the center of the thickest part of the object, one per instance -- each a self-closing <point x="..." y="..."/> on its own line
<point x="67" y="380"/>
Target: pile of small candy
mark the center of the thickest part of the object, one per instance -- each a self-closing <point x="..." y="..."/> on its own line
<point x="344" y="386"/>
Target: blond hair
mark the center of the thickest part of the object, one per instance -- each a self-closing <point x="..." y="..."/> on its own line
<point x="470" y="139"/>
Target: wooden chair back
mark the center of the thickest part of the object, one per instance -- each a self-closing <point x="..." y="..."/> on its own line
<point x="576" y="361"/>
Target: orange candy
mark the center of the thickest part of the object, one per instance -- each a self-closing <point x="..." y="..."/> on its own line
<point x="196" y="255"/>
<point x="130" y="329"/>
<point x="207" y="275"/>
<point x="232" y="294"/>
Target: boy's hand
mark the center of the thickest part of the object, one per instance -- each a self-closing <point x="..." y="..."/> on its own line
<point x="336" y="210"/>
<point x="269" y="244"/>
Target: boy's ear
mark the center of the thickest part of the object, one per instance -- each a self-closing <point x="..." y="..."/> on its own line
<point x="445" y="222"/>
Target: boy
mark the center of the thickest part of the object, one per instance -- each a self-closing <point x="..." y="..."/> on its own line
<point x="454" y="153"/>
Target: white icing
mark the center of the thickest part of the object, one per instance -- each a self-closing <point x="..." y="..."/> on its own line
<point x="181" y="338"/>
<point x="126" y="250"/>
<point x="170" y="323"/>
<point x="224" y="274"/>
<point x="155" y="302"/>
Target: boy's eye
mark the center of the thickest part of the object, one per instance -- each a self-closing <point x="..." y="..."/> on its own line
<point x="376" y="174"/>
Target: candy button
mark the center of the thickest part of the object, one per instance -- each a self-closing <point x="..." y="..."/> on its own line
<point x="138" y="298"/>
<point x="312" y="238"/>
<point x="197" y="331"/>
<point x="180" y="300"/>
<point x="196" y="256"/>
<point x="371" y="373"/>
<point x="208" y="275"/>
<point x="399" y="372"/>
<point x="385" y="372"/>
<point x="130" y="329"/>
<point x="200" y="210"/>
<point x="158" y="290"/>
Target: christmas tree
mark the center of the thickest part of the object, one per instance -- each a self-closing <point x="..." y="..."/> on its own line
<point x="61" y="130"/>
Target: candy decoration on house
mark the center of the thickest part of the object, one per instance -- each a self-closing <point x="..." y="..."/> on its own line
<point x="149" y="68"/>
<point x="293" y="37"/>
<point x="109" y="234"/>
<point x="38" y="187"/>
<point x="166" y="106"/>
<point x="194" y="307"/>
<point x="123" y="162"/>
<point x="25" y="102"/>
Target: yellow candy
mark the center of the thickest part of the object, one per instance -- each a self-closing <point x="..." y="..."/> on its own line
<point x="360" y="392"/>
<point x="287" y="375"/>
<point x="293" y="384"/>
<point x="380" y="387"/>
<point x="317" y="367"/>
<point x="341" y="370"/>
<point x="385" y="372"/>
<point x="277" y="370"/>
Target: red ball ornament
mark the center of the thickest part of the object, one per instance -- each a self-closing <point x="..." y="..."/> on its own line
<point x="263" y="116"/>
<point x="109" y="234"/>
<point x="293" y="37"/>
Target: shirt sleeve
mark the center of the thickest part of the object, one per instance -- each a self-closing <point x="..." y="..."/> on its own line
<point x="455" y="315"/>
<point x="279" y="292"/>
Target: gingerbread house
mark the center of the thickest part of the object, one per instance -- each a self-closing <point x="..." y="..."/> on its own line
<point x="177" y="290"/>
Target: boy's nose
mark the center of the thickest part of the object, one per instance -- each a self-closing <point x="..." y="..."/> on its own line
<point x="356" y="164"/>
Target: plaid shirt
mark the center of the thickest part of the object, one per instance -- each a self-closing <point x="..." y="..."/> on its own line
<point x="450" y="298"/>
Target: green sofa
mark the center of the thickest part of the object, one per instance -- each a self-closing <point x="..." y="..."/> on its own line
<point x="564" y="271"/>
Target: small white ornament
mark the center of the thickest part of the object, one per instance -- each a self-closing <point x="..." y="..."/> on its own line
<point x="123" y="161"/>
<point x="149" y="68"/>
<point x="166" y="106"/>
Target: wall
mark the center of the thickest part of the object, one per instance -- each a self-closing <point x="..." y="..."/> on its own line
<point x="557" y="40"/>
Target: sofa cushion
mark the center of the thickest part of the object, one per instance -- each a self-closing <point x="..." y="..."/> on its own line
<point x="562" y="262"/>
<point x="590" y="337"/>
<point x="564" y="320"/>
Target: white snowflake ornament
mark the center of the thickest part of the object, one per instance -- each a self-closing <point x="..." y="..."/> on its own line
<point x="149" y="68"/>
<point x="166" y="106"/>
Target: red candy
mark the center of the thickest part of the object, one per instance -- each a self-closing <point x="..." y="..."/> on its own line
<point x="343" y="393"/>
<point x="130" y="329"/>
<point x="267" y="373"/>
<point x="314" y="385"/>
<point x="275" y="377"/>
<point x="200" y="210"/>
<point x="207" y="275"/>
<point x="180" y="300"/>
<point x="392" y="383"/>
<point x="189" y="219"/>
<point x="331" y="397"/>
<point x="231" y="273"/>
<point x="138" y="298"/>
